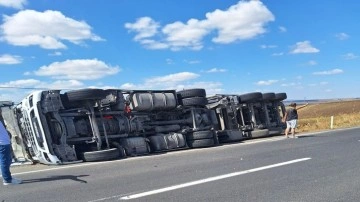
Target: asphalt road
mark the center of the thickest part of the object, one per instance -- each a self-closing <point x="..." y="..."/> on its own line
<point x="315" y="167"/>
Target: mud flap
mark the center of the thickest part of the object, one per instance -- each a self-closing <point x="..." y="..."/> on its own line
<point x="102" y="155"/>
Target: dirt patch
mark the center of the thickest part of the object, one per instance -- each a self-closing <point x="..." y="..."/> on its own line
<point x="329" y="109"/>
<point x="317" y="117"/>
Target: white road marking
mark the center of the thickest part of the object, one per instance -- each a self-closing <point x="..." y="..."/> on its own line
<point x="264" y="140"/>
<point x="202" y="181"/>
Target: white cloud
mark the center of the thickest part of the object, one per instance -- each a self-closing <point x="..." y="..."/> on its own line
<point x="169" y="61"/>
<point x="18" y="89"/>
<point x="17" y="4"/>
<point x="304" y="47"/>
<point x="323" y="83"/>
<point x="243" y="21"/>
<point x="330" y="72"/>
<point x="342" y="36"/>
<point x="282" y="29"/>
<point x="266" y="83"/>
<point x="268" y="46"/>
<point x="192" y="61"/>
<point x="312" y="63"/>
<point x="101" y="86"/>
<point x="87" y="69"/>
<point x="350" y="56"/>
<point x="278" y="54"/>
<point x="216" y="70"/>
<point x="173" y="78"/>
<point x="289" y="84"/>
<point x="155" y="45"/>
<point x="23" y="83"/>
<point x="56" y="53"/>
<point x="48" y="29"/>
<point x="130" y="86"/>
<point x="65" y="84"/>
<point x="144" y="27"/>
<point x="37" y="84"/>
<point x="7" y="59"/>
<point x="169" y="81"/>
<point x="14" y="95"/>
<point x="177" y="81"/>
<point x="180" y="35"/>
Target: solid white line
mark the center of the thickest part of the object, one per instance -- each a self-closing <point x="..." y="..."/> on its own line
<point x="197" y="182"/>
<point x="273" y="139"/>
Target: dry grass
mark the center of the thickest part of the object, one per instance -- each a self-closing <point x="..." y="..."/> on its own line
<point x="316" y="117"/>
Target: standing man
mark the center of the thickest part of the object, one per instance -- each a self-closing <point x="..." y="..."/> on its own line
<point x="5" y="156"/>
<point x="291" y="118"/>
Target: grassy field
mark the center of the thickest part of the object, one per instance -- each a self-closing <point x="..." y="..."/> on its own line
<point x="316" y="117"/>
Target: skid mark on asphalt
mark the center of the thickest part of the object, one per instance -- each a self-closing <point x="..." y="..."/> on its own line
<point x="202" y="181"/>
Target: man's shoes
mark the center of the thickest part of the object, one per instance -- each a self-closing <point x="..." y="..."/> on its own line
<point x="14" y="181"/>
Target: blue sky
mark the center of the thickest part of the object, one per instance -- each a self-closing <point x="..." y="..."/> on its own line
<point x="308" y="49"/>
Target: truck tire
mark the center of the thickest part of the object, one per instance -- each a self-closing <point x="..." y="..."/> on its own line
<point x="194" y="101"/>
<point x="268" y="96"/>
<point x="102" y="155"/>
<point x="206" y="134"/>
<point x="196" y="92"/>
<point x="250" y="97"/>
<point x="85" y="94"/>
<point x="201" y="143"/>
<point x="280" y="96"/>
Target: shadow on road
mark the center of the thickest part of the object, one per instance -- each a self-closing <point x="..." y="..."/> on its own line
<point x="305" y="136"/>
<point x="59" y="177"/>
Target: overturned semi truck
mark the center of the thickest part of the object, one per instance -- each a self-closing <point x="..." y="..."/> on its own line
<point x="55" y="127"/>
<point x="251" y="115"/>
